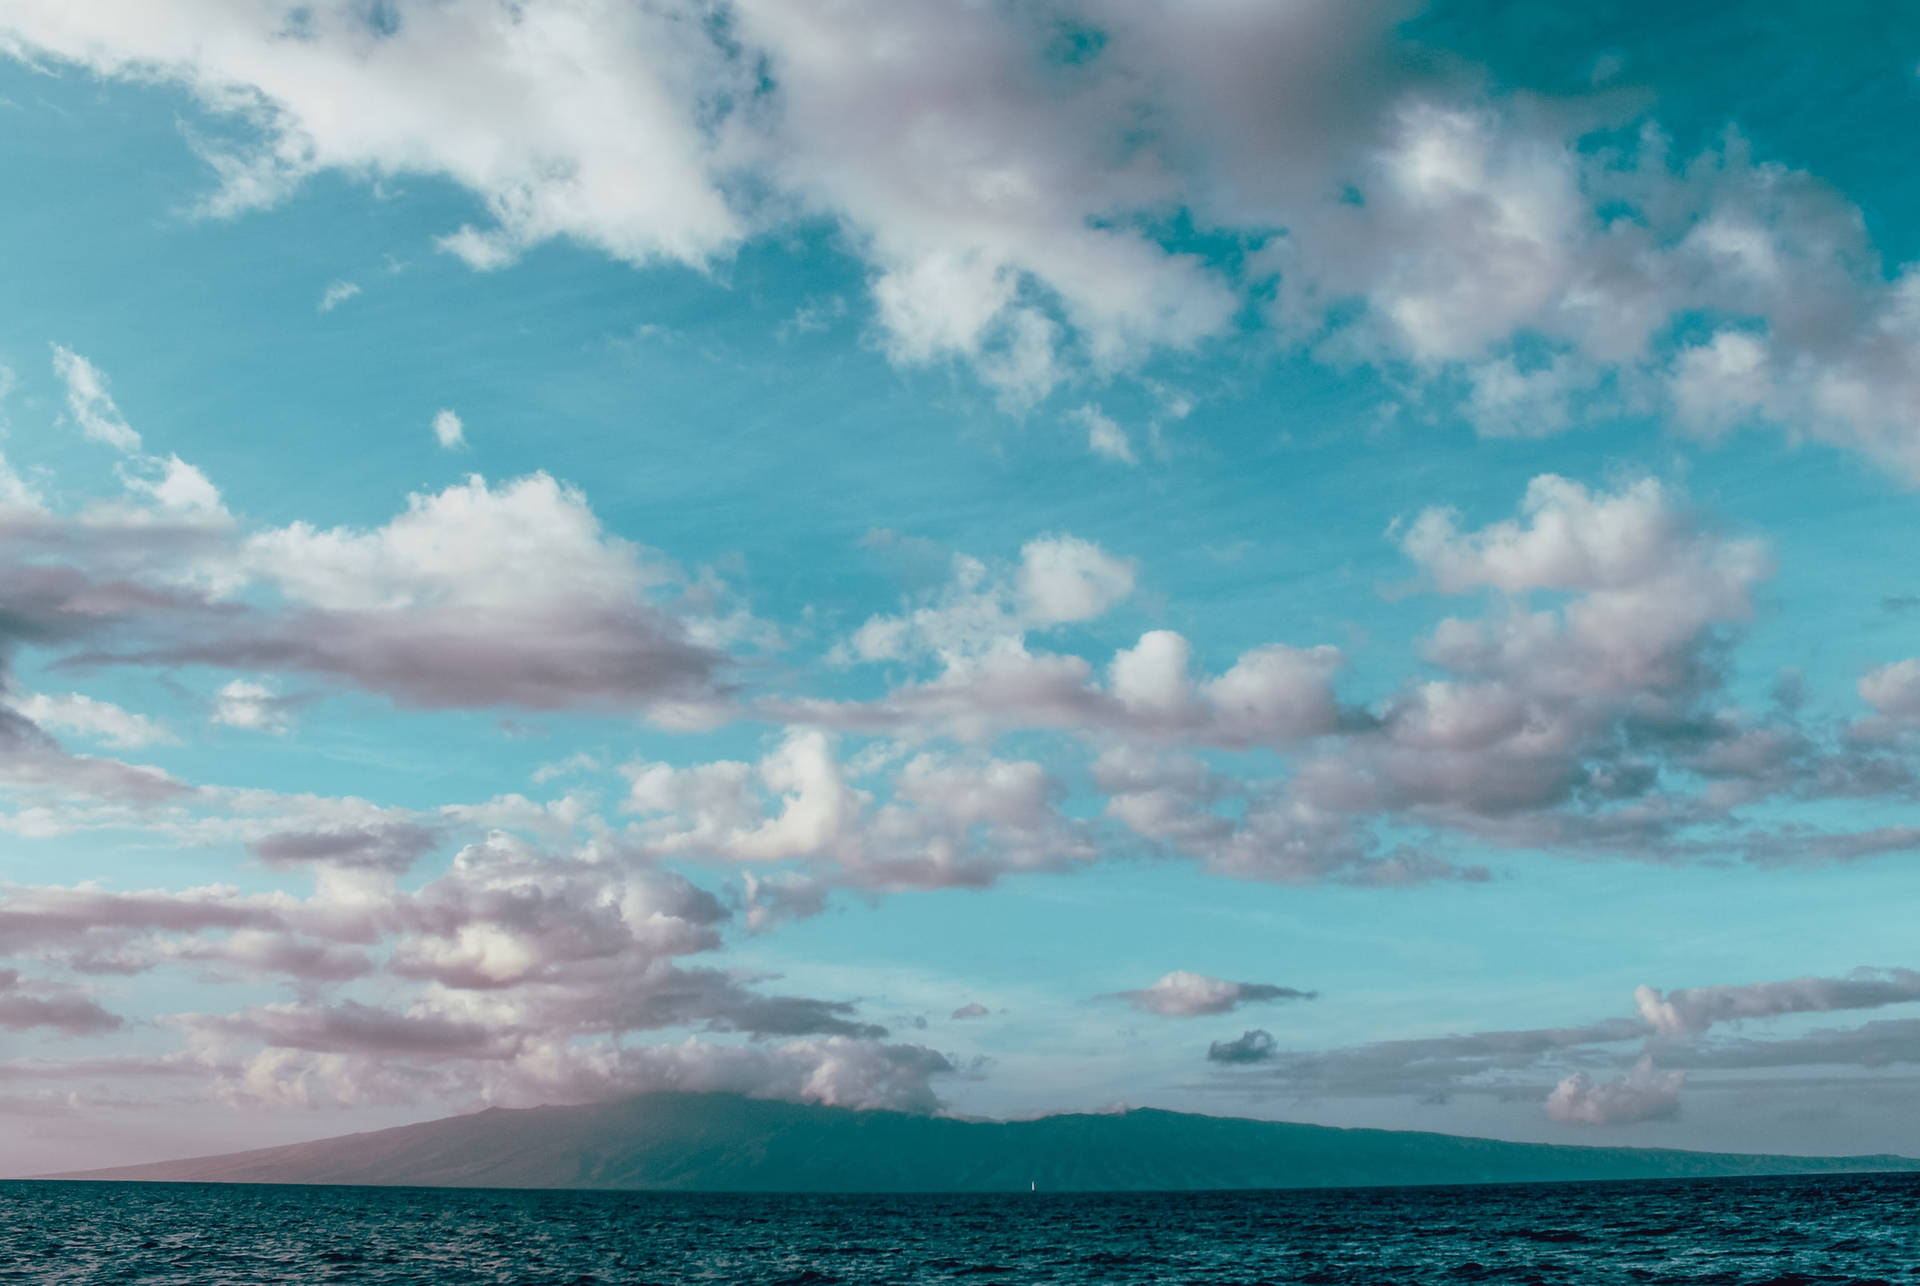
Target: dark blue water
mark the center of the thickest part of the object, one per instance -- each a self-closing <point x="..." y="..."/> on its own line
<point x="1842" y="1229"/>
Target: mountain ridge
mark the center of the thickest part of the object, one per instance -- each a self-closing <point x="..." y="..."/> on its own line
<point x="707" y="1142"/>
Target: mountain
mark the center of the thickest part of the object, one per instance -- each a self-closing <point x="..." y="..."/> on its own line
<point x="724" y="1142"/>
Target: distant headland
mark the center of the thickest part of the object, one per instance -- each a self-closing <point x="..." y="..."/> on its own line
<point x="728" y="1143"/>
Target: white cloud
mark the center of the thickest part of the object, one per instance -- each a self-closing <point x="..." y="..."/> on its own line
<point x="474" y="595"/>
<point x="529" y="542"/>
<point x="244" y="703"/>
<point x="1181" y="994"/>
<point x="939" y="820"/>
<point x="1894" y="690"/>
<point x="510" y="102"/>
<point x="1506" y="401"/>
<point x="337" y="293"/>
<point x="715" y="809"/>
<point x="176" y="487"/>
<point x="1723" y="383"/>
<point x="448" y="431"/>
<point x="573" y="765"/>
<point x="90" y="717"/>
<point x="88" y="401"/>
<point x="15" y="492"/>
<point x="514" y="595"/>
<point x="1105" y="437"/>
<point x="1644" y="1094"/>
<point x="1005" y="200"/>
<point x="1064" y="579"/>
<point x="984" y="611"/>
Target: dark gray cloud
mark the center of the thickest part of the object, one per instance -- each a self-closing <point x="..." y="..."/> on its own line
<point x="73" y="919"/>
<point x="34" y="764"/>
<point x="464" y="658"/>
<point x="1422" y="1066"/>
<point x="1884" y="1042"/>
<point x="1252" y="1046"/>
<point x="355" y="1028"/>
<point x="132" y="1067"/>
<point x="1613" y="1072"/>
<point x="392" y="846"/>
<point x="1689" y="1010"/>
<point x="24" y="1004"/>
<point x="248" y="954"/>
<point x="712" y="999"/>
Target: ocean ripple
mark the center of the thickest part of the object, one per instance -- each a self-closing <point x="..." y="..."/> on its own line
<point x="1836" y="1230"/>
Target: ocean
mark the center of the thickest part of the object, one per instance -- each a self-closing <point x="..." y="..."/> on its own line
<point x="1850" y="1229"/>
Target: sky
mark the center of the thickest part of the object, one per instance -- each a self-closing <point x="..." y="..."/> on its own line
<point x="1331" y="560"/>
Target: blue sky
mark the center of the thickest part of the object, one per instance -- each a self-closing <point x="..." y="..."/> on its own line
<point x="562" y="549"/>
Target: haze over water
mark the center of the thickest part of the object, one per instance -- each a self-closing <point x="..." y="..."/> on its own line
<point x="1851" y="1229"/>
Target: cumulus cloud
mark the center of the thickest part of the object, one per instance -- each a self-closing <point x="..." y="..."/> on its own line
<point x="499" y="101"/>
<point x="1271" y="695"/>
<point x="1644" y="1094"/>
<point x="448" y="430"/>
<point x="474" y="596"/>
<point x="1255" y="830"/>
<point x="1582" y="709"/>
<point x="1553" y="718"/>
<point x="977" y="631"/>
<point x="944" y="820"/>
<point x="91" y="717"/>
<point x="1058" y="580"/>
<point x="1007" y="175"/>
<point x="521" y="974"/>
<point x="478" y="595"/>
<point x="1062" y="579"/>
<point x="1553" y="723"/>
<point x="254" y="706"/>
<point x="1181" y="994"/>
